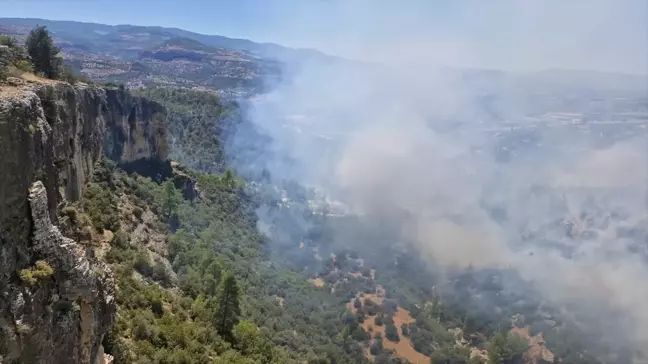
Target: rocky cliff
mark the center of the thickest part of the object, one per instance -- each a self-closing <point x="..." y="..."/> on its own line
<point x="56" y="299"/>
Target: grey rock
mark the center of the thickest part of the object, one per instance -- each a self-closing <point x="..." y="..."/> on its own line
<point x="51" y="136"/>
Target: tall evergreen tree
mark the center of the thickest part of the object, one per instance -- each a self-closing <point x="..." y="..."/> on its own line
<point x="171" y="199"/>
<point x="228" y="309"/>
<point x="43" y="53"/>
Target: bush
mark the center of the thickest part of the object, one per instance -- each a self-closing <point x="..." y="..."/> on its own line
<point x="379" y="320"/>
<point x="32" y="276"/>
<point x="143" y="265"/>
<point x="356" y="303"/>
<point x="23" y="66"/>
<point x="4" y="62"/>
<point x="389" y="306"/>
<point x="506" y="348"/>
<point x="138" y="212"/>
<point x="451" y="354"/>
<point x="376" y="346"/>
<point x="142" y="329"/>
<point x="85" y="234"/>
<point x="101" y="206"/>
<point x="160" y="274"/>
<point x="71" y="212"/>
<point x="391" y="333"/>
<point x="67" y="75"/>
<point x="13" y="59"/>
<point x="405" y="329"/>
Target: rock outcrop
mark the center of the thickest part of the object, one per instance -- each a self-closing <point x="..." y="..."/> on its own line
<point x="51" y="136"/>
<point x="184" y="182"/>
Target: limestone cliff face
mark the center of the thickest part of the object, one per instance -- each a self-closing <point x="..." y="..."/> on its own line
<point x="50" y="138"/>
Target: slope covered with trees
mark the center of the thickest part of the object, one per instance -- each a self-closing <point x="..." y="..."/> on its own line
<point x="200" y="289"/>
<point x="198" y="124"/>
<point x="296" y="282"/>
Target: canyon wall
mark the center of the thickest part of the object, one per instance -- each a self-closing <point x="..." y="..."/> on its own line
<point x="56" y="298"/>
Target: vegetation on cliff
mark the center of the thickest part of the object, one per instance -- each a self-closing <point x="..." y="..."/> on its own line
<point x="39" y="55"/>
<point x="299" y="279"/>
<point x="215" y="289"/>
<point x="199" y="123"/>
<point x="198" y="282"/>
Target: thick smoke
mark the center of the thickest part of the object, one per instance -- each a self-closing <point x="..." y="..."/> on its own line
<point x="545" y="172"/>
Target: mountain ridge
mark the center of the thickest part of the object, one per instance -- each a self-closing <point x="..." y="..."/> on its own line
<point x="265" y="48"/>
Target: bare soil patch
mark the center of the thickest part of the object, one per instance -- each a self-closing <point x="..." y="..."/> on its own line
<point x="318" y="282"/>
<point x="537" y="352"/>
<point x="404" y="347"/>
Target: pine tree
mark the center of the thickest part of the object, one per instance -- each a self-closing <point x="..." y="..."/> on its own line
<point x="391" y="333"/>
<point x="506" y="348"/>
<point x="170" y="200"/>
<point x="43" y="53"/>
<point x="228" y="309"/>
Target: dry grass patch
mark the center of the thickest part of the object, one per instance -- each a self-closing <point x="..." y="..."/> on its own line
<point x="318" y="282"/>
<point x="403" y="348"/>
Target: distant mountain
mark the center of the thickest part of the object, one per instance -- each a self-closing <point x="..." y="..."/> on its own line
<point x="141" y="56"/>
<point x="83" y="31"/>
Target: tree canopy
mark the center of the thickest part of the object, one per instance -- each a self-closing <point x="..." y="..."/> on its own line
<point x="43" y="53"/>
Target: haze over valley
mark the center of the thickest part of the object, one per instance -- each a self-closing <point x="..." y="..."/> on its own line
<point x="469" y="190"/>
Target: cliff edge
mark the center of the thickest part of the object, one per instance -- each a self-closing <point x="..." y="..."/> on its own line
<point x="56" y="298"/>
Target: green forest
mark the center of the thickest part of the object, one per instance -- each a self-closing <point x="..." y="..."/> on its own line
<point x="216" y="289"/>
<point x="215" y="264"/>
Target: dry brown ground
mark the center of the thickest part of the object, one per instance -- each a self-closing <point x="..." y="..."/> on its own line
<point x="15" y="86"/>
<point x="404" y="347"/>
<point x="537" y="349"/>
<point x="318" y="282"/>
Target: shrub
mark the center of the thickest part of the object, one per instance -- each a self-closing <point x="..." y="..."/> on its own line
<point x="379" y="320"/>
<point x="13" y="59"/>
<point x="23" y="328"/>
<point x="138" y="212"/>
<point x="356" y="303"/>
<point x="143" y="264"/>
<point x="40" y="271"/>
<point x="389" y="306"/>
<point x="160" y="274"/>
<point x="405" y="329"/>
<point x="391" y="333"/>
<point x="506" y="348"/>
<point x="376" y="346"/>
<point x="84" y="220"/>
<point x="85" y="233"/>
<point x="67" y="75"/>
<point x="156" y="307"/>
<point x="23" y="66"/>
<point x="4" y="62"/>
<point x="120" y="239"/>
<point x="101" y="206"/>
<point x="71" y="212"/>
<point x="142" y="329"/>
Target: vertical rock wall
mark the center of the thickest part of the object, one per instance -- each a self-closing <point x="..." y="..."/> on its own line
<point x="50" y="138"/>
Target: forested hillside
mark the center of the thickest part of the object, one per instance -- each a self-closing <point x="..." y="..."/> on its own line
<point x="305" y="291"/>
<point x="198" y="123"/>
<point x="217" y="260"/>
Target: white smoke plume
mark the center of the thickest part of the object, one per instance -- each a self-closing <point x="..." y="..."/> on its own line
<point x="407" y="133"/>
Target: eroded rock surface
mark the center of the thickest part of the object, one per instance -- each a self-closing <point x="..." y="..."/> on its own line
<point x="56" y="297"/>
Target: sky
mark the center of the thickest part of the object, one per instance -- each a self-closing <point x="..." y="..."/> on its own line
<point x="507" y="34"/>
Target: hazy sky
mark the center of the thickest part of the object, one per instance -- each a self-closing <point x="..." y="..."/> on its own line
<point x="517" y="34"/>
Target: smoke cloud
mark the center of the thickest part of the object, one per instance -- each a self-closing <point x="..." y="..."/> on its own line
<point x="544" y="172"/>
